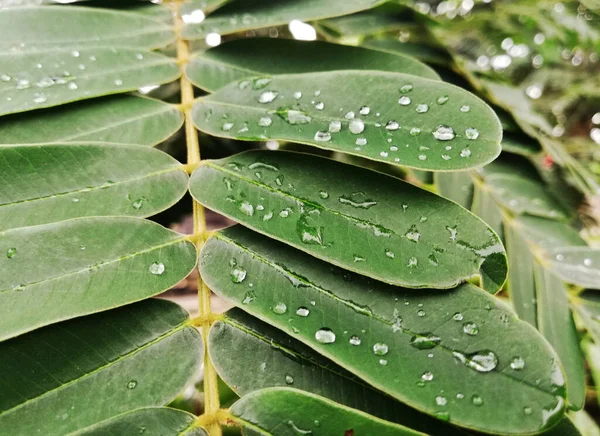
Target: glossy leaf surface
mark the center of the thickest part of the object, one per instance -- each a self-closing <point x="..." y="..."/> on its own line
<point x="242" y="58"/>
<point x="254" y="14"/>
<point x="83" y="266"/>
<point x="401" y="119"/>
<point x="151" y="421"/>
<point x="79" y="372"/>
<point x="85" y="180"/>
<point x="251" y="355"/>
<point x="120" y="119"/>
<point x="400" y="234"/>
<point x="290" y="412"/>
<point x="42" y="27"/>
<point x="577" y="265"/>
<point x="72" y="75"/>
<point x="444" y="353"/>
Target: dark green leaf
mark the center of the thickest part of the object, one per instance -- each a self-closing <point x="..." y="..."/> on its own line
<point x="453" y="354"/>
<point x="242" y="58"/>
<point x="76" y="267"/>
<point x="42" y="184"/>
<point x="68" y="376"/>
<point x="121" y="119"/>
<point x="587" y="305"/>
<point x="72" y="75"/>
<point x="486" y="208"/>
<point x="401" y="234"/>
<point x="290" y="412"/>
<point x="547" y="234"/>
<point x="409" y="128"/>
<point x="576" y="265"/>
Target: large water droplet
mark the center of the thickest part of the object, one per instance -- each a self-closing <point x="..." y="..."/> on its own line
<point x="356" y="126"/>
<point x="482" y="361"/>
<point x="443" y="133"/>
<point x="325" y="336"/>
<point x="380" y="349"/>
<point x="238" y="274"/>
<point x="157" y="268"/>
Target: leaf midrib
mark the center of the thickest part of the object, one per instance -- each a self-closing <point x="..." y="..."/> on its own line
<point x="403" y="330"/>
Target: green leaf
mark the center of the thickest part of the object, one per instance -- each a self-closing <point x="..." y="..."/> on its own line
<point x="587" y="305"/>
<point x="68" y="376"/>
<point x="547" y="234"/>
<point x="290" y="412"/>
<point x="585" y="424"/>
<point x="254" y="14"/>
<point x="151" y="421"/>
<point x="555" y="322"/>
<point x="121" y="119"/>
<point x="401" y="234"/>
<point x="188" y="8"/>
<point x="451" y="354"/>
<point x="522" y="196"/>
<point x="76" y="267"/>
<point x="72" y="75"/>
<point x="520" y="144"/>
<point x="424" y="52"/>
<point x="456" y="186"/>
<point x="576" y="265"/>
<point x="242" y="58"/>
<point x="40" y="28"/>
<point x="486" y="208"/>
<point x="365" y="23"/>
<point x="85" y="180"/>
<point x="251" y="355"/>
<point x="268" y="108"/>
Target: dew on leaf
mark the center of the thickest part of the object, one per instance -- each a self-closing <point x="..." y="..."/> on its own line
<point x="325" y="336"/>
<point x="335" y="126"/>
<point x="280" y="308"/>
<point x="267" y="96"/>
<point x="302" y="311"/>
<point x="238" y="274"/>
<point x="422" y="108"/>
<point x="11" y="252"/>
<point x="471" y="133"/>
<point x="380" y="349"/>
<point x="322" y="136"/>
<point x="443" y="133"/>
<point x="481" y="361"/>
<point x="470" y="328"/>
<point x="157" y="268"/>
<point x="404" y="100"/>
<point x="356" y="126"/>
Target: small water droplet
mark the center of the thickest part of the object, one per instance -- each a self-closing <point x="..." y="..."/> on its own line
<point x="335" y="126"/>
<point x="325" y="336"/>
<point x="390" y="254"/>
<point x="118" y="82"/>
<point x="260" y="83"/>
<point x="354" y="340"/>
<point x="383" y="362"/>
<point x="443" y="99"/>
<point x="471" y="133"/>
<point x="517" y="363"/>
<point x="527" y="410"/>
<point x="587" y="261"/>
<point x="157" y="268"/>
<point x="227" y="127"/>
<point x="39" y="97"/>
<point x="413" y="234"/>
<point x="458" y="316"/>
<point x="427" y="376"/>
<point x="441" y="401"/>
<point x="412" y="262"/>
<point x="422" y="108"/>
<point x="23" y="84"/>
<point x="365" y="110"/>
<point x="238" y="274"/>
<point x="356" y="126"/>
<point x="5" y="77"/>
<point x="289" y="380"/>
<point x="280" y="308"/>
<point x="465" y="108"/>
<point x="302" y="311"/>
<point x="392" y="125"/>
<point x="443" y="133"/>
<point x="477" y="400"/>
<point x="361" y="141"/>
<point x="138" y="203"/>
<point x="319" y="105"/>
<point x="297" y="95"/>
<point x="482" y="361"/>
<point x="267" y="96"/>
<point x="404" y="100"/>
<point x="246" y="208"/>
<point x="415" y="131"/>
<point x="322" y="136"/>
<point x="72" y="86"/>
<point x="349" y="115"/>
<point x="265" y="121"/>
<point x="380" y="349"/>
<point x="425" y="341"/>
<point x="11" y="252"/>
<point x="470" y="328"/>
<point x="249" y="297"/>
<point x="131" y="384"/>
<point x="406" y="88"/>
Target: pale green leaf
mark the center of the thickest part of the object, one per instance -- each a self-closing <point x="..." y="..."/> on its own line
<point x="290" y="412"/>
<point x="454" y="354"/>
<point x="400" y="234"/>
<point x="555" y="322"/>
<point x="251" y="355"/>
<point x="253" y="14"/>
<point x="585" y="424"/>
<point x="151" y="421"/>
<point x="242" y="58"/>
<point x="407" y="128"/>
<point x="42" y="184"/>
<point x="547" y="234"/>
<point x="486" y="208"/>
<point x="71" y="75"/>
<point x="43" y="27"/>
<point x="576" y="265"/>
<point x="76" y="267"/>
<point x="120" y="119"/>
<point x="456" y="186"/>
<point x="365" y="23"/>
<point x="587" y="305"/>
<point x="520" y="144"/>
<point x="68" y="376"/>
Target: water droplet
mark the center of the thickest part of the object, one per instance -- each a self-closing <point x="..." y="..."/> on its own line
<point x="39" y="97"/>
<point x="517" y="363"/>
<point x="365" y="110"/>
<point x="392" y="125"/>
<point x="280" y="308"/>
<point x="249" y="297"/>
<point x="131" y="384"/>
<point x="404" y="100"/>
<point x="477" y="400"/>
<point x="415" y="131"/>
<point x="118" y="82"/>
<point x="284" y="213"/>
<point x="412" y="262"/>
<point x="157" y="268"/>
<point x="72" y="86"/>
<point x="11" y="252"/>
<point x="322" y="136"/>
<point x="406" y="88"/>
<point x="427" y="376"/>
<point x="23" y="84"/>
<point x="265" y="121"/>
<point x="227" y="127"/>
<point x="425" y="341"/>
<point x="246" y="208"/>
<point x="471" y="133"/>
<point x="319" y="105"/>
<point x="325" y="336"/>
<point x="356" y="126"/>
<point x="441" y="401"/>
<point x="335" y="126"/>
<point x="354" y="340"/>
<point x="297" y="95"/>
<point x="527" y="410"/>
<point x="443" y="133"/>
<point x="260" y="83"/>
<point x="357" y="200"/>
<point x="267" y="96"/>
<point x="412" y="234"/>
<point x="390" y="254"/>
<point x="587" y="261"/>
<point x="238" y="274"/>
<point x="458" y="316"/>
<point x="422" y="157"/>
<point x="289" y="380"/>
<point x="349" y="115"/>
<point x="442" y="99"/>
<point x="380" y="349"/>
<point x="482" y="361"/>
<point x="383" y="362"/>
<point x="302" y="311"/>
<point x="5" y="77"/>
<point x="361" y="141"/>
<point x="453" y="232"/>
<point x="421" y="313"/>
<point x="422" y="108"/>
<point x="470" y="328"/>
<point x="465" y="108"/>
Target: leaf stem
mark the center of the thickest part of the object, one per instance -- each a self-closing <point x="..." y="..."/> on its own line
<point x="211" y="392"/>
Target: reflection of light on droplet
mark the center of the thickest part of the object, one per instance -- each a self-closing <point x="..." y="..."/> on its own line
<point x="537" y="61"/>
<point x="506" y="44"/>
<point x="596" y="118"/>
<point x="558" y="130"/>
<point x="272" y="145"/>
<point x="193" y="17"/>
<point x="595" y="135"/>
<point x="302" y="31"/>
<point x="213" y="39"/>
<point x="534" y="92"/>
<point x="539" y="38"/>
<point x="501" y="62"/>
<point x="147" y="89"/>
